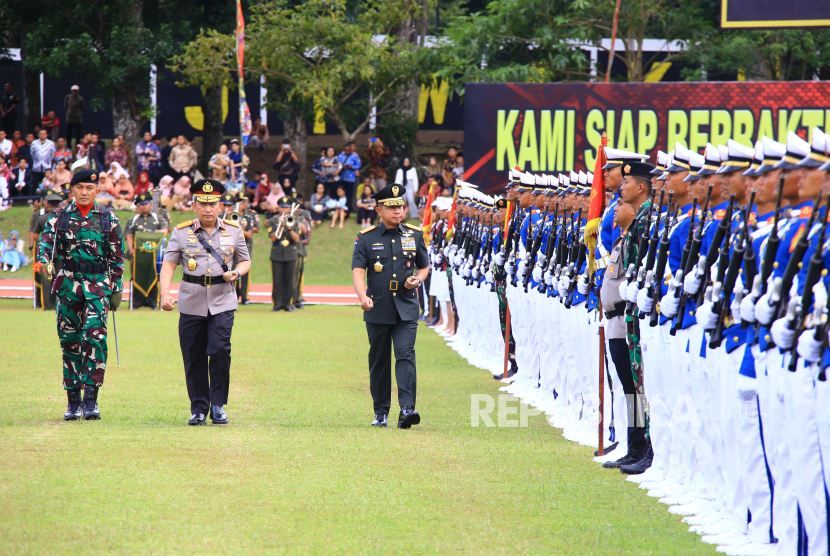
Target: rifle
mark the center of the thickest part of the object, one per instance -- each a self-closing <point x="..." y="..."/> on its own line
<point x="517" y="239"/>
<point x="573" y="255"/>
<point x="750" y="264"/>
<point x="691" y="259"/>
<point x="537" y="243"/>
<point x="580" y="260"/>
<point x="772" y="242"/>
<point x="687" y="246"/>
<point x="660" y="270"/>
<point x="549" y="248"/>
<point x="653" y="242"/>
<point x="721" y="306"/>
<point x="814" y="271"/>
<point x="720" y="242"/>
<point x="642" y="250"/>
<point x="487" y="252"/>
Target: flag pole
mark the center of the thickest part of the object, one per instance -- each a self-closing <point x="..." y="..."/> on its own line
<point x="613" y="42"/>
<point x="601" y="426"/>
<point x="240" y="53"/>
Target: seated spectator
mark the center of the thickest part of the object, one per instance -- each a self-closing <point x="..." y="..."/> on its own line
<point x="61" y="175"/>
<point x="48" y="181"/>
<point x="366" y="205"/>
<point x="51" y="123"/>
<point x="237" y="166"/>
<point x="259" y="135"/>
<point x="5" y="144"/>
<point x="287" y="187"/>
<point x="12" y="253"/>
<point x="22" y="182"/>
<point x="446" y="192"/>
<point x="331" y="171"/>
<point x="182" y="159"/>
<point x="339" y="206"/>
<point x="82" y="148"/>
<point x="458" y="171"/>
<point x="317" y="167"/>
<point x="434" y="169"/>
<point x="122" y="190"/>
<point x="271" y="202"/>
<point x="5" y="179"/>
<point x="165" y="156"/>
<point x="143" y="184"/>
<point x="263" y="190"/>
<point x="106" y="186"/>
<point x="449" y="164"/>
<point x="116" y="153"/>
<point x="319" y="200"/>
<point x="62" y="153"/>
<point x="250" y="187"/>
<point x="175" y="193"/>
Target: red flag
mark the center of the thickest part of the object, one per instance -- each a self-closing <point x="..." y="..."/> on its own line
<point x="427" y="223"/>
<point x="597" y="206"/>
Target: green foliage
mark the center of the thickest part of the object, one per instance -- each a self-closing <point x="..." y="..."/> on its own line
<point x="207" y="61"/>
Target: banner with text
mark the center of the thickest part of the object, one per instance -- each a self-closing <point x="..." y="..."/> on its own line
<point x="556" y="127"/>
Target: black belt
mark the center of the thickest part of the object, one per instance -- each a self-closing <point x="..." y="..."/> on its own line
<point x="202" y="280"/>
<point x="618" y="311"/>
<point x="89" y="268"/>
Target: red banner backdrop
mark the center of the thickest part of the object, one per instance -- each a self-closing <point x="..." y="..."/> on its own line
<point x="556" y="127"/>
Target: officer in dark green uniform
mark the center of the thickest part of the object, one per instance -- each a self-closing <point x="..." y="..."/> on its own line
<point x="395" y="257"/>
<point x="304" y="217"/>
<point x="250" y="226"/>
<point x="284" y="253"/>
<point x="44" y="296"/>
<point x="144" y="221"/>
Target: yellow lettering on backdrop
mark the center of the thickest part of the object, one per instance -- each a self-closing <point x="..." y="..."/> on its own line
<point x="787" y="124"/>
<point x="552" y="140"/>
<point x="625" y="141"/>
<point x="528" y="147"/>
<point x="504" y="139"/>
<point x="593" y="123"/>
<point x="195" y="117"/>
<point x="610" y="127"/>
<point x="743" y="127"/>
<point x="698" y="140"/>
<point x="678" y="128"/>
<point x="570" y="140"/>
<point x="647" y="131"/>
<point x="721" y="127"/>
<point x="765" y="124"/>
<point x="811" y="119"/>
<point x="438" y="95"/>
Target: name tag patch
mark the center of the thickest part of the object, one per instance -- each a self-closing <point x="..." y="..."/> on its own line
<point x="408" y="243"/>
<point x="378" y="247"/>
<point x="225" y="240"/>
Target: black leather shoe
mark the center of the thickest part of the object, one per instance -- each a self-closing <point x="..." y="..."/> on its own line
<point x="408" y="417"/>
<point x="196" y="420"/>
<point x="90" y="406"/>
<point x="246" y="302"/>
<point x="289" y="309"/>
<point x="276" y="309"/>
<point x="73" y="410"/>
<point x="381" y="420"/>
<point x="610" y="448"/>
<point x="641" y="465"/>
<point x="298" y="305"/>
<point x="218" y="415"/>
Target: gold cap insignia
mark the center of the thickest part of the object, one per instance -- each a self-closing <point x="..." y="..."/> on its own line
<point x="207" y="188"/>
<point x="93" y="177"/>
<point x="395" y="190"/>
<point x="627" y="168"/>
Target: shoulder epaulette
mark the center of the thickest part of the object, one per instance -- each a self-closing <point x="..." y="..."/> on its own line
<point x="412" y="226"/>
<point x="231" y="223"/>
<point x="369" y="229"/>
<point x="184" y="224"/>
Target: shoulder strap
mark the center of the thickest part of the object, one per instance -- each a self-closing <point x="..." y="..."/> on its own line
<point x="212" y="251"/>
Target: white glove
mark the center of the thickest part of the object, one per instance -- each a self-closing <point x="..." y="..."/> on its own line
<point x="669" y="306"/>
<point x="563" y="286"/>
<point x="624" y="290"/>
<point x="644" y="302"/>
<point x="631" y="292"/>
<point x="537" y="274"/>
<point x="582" y="285"/>
<point x="491" y="279"/>
<point x="735" y="309"/>
<point x="476" y="273"/>
<point x="748" y="309"/>
<point x="549" y="279"/>
<point x="705" y="317"/>
<point x="466" y="272"/>
<point x="508" y="268"/>
<point x="449" y="249"/>
<point x="781" y="334"/>
<point x="747" y="388"/>
<point x="459" y="259"/>
<point x="764" y="313"/>
<point x="522" y="267"/>
<point x="499" y="259"/>
<point x="691" y="283"/>
<point x="439" y="258"/>
<point x="808" y="348"/>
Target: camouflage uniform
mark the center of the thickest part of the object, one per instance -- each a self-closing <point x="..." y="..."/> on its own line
<point x="83" y="297"/>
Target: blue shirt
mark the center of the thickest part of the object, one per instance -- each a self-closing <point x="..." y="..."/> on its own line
<point x="352" y="160"/>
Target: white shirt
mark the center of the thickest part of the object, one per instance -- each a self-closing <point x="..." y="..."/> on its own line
<point x="411" y="178"/>
<point x="6" y="147"/>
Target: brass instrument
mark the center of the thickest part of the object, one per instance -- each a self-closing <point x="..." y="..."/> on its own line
<point x="234" y="216"/>
<point x="288" y="221"/>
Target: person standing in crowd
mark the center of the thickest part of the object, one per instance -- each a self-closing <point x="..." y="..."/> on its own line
<point x="331" y="168"/>
<point x="97" y="150"/>
<point x="394" y="255"/>
<point x="62" y="153"/>
<point x="407" y="176"/>
<point x="376" y="152"/>
<point x="249" y="226"/>
<point x="285" y="250"/>
<point x="172" y="141"/>
<point x="366" y="205"/>
<point x="433" y="170"/>
<point x="205" y="247"/>
<point x="8" y="108"/>
<point x="25" y="150"/>
<point x="260" y="135"/>
<point x="287" y="163"/>
<point x="117" y="153"/>
<point x="73" y="104"/>
<point x="182" y="159"/>
<point x="319" y="204"/>
<point x="144" y="221"/>
<point x="449" y="164"/>
<point x="51" y="124"/>
<point x="87" y="239"/>
<point x="5" y="144"/>
<point x="149" y="156"/>
<point x="43" y="151"/>
<point x="317" y="168"/>
<point x="82" y="148"/>
<point x="351" y="170"/>
<point x="17" y="144"/>
<point x="458" y="171"/>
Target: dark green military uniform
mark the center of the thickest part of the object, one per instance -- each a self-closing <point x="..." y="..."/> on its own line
<point x="304" y="217"/>
<point x="249" y="222"/>
<point x="284" y="254"/>
<point x="142" y="297"/>
<point x="390" y="256"/>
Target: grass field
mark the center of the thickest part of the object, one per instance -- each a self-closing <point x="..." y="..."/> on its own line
<point x="329" y="252"/>
<point x="299" y="470"/>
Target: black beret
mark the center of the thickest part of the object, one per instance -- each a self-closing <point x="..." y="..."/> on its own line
<point x="501" y="203"/>
<point x="639" y="169"/>
<point x="84" y="176"/>
<point x="207" y="191"/>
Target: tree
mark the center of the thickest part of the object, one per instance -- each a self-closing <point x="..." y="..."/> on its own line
<point x="106" y="42"/>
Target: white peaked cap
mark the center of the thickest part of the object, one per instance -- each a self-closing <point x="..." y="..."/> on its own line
<point x="773" y="148"/>
<point x="583" y="178"/>
<point x="736" y="150"/>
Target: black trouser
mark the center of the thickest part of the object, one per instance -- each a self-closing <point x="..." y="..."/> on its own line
<point x="9" y="124"/>
<point x="382" y="337"/>
<point x="243" y="285"/>
<point x="73" y="129"/>
<point x="620" y="355"/>
<point x="282" y="279"/>
<point x="206" y="350"/>
<point x="298" y="282"/>
<point x="141" y="300"/>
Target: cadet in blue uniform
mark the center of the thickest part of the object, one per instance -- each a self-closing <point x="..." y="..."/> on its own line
<point x="395" y="257"/>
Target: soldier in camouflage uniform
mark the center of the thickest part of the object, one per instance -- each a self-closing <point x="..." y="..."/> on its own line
<point x="44" y="296"/>
<point x="87" y="239"/>
<point x="250" y="226"/>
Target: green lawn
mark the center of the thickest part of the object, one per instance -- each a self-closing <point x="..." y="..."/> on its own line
<point x="299" y="470"/>
<point x="329" y="253"/>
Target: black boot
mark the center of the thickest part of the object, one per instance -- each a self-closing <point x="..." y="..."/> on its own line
<point x="640" y="466"/>
<point x="73" y="410"/>
<point x="637" y="448"/>
<point x="408" y="417"/>
<point x="91" y="412"/>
